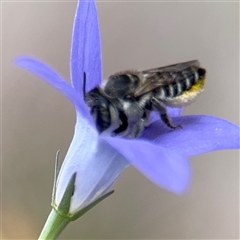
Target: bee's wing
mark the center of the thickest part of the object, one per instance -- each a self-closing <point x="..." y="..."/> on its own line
<point x="156" y="77"/>
<point x="174" y="67"/>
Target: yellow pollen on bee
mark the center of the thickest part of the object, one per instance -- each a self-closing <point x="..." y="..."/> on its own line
<point x="189" y="95"/>
<point x="186" y="97"/>
<point x="196" y="87"/>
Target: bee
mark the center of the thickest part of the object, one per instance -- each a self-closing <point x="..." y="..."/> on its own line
<point x="123" y="104"/>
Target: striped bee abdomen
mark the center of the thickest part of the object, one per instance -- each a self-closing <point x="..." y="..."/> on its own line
<point x="183" y="81"/>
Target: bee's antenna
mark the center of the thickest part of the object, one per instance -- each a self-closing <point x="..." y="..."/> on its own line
<point x="84" y="85"/>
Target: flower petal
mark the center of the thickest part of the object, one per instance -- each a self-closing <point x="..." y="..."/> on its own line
<point x="86" y="47"/>
<point x="199" y="134"/>
<point x="96" y="163"/>
<point x="172" y="112"/>
<point x="51" y="77"/>
<point x="165" y="167"/>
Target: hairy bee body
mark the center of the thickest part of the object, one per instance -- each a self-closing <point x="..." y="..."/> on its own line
<point x="130" y="96"/>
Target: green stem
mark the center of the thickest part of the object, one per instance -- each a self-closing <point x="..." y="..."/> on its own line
<point x="53" y="226"/>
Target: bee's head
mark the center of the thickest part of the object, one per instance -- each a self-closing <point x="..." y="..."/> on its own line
<point x="93" y="98"/>
<point x="100" y="111"/>
<point x="99" y="107"/>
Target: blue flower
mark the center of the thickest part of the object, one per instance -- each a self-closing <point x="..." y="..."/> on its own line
<point x="161" y="154"/>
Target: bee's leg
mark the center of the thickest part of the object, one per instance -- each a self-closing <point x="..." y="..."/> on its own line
<point x="147" y="122"/>
<point x="122" y="126"/>
<point x="139" y="126"/>
<point x="160" y="107"/>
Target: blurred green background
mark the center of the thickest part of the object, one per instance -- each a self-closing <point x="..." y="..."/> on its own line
<point x="37" y="120"/>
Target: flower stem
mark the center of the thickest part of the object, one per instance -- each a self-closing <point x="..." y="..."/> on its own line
<point x="53" y="226"/>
